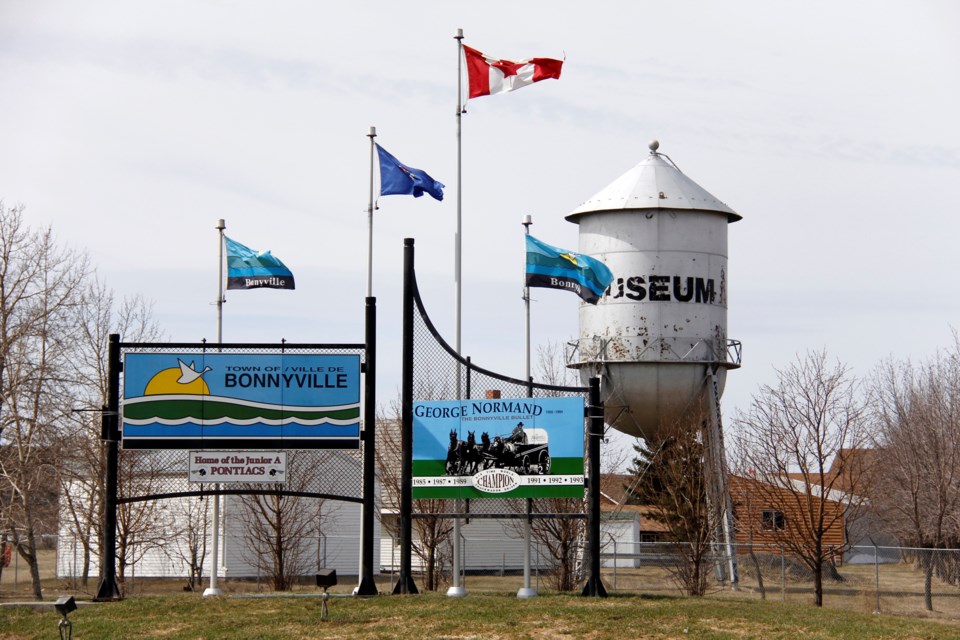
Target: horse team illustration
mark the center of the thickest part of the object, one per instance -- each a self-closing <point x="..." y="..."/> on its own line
<point x="524" y="451"/>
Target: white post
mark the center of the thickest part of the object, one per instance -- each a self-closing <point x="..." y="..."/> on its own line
<point x="457" y="590"/>
<point x="213" y="590"/>
<point x="876" y="570"/>
<point x="372" y="134"/>
<point x="527" y="591"/>
<point x="616" y="561"/>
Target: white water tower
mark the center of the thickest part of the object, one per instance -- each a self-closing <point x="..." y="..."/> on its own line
<point x="658" y="336"/>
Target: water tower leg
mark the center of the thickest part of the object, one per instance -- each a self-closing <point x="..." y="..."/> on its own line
<point x="718" y="489"/>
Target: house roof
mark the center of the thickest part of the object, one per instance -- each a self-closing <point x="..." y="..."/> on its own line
<point x="613" y="497"/>
<point x="848" y="469"/>
<point x="741" y="485"/>
<point x="613" y="489"/>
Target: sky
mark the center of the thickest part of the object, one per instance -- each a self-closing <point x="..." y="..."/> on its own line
<point x="131" y="127"/>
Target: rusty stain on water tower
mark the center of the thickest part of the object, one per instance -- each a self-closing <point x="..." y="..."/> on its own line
<point x="661" y="327"/>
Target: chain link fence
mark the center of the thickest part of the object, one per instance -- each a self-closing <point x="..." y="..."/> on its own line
<point x="163" y="472"/>
<point x="491" y="564"/>
<point x="888" y="580"/>
<point x="880" y="579"/>
<point x="162" y="519"/>
<point x="439" y="373"/>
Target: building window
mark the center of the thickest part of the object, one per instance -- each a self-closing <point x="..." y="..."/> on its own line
<point x="772" y="520"/>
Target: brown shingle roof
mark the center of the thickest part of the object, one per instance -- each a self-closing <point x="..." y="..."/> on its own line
<point x="613" y="494"/>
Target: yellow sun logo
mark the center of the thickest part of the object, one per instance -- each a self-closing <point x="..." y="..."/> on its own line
<point x="175" y="381"/>
<point x="572" y="257"/>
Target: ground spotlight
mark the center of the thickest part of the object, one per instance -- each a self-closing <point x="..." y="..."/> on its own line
<point x="64" y="605"/>
<point x="326" y="578"/>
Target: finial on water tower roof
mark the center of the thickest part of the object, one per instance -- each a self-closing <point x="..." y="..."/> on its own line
<point x="654" y="145"/>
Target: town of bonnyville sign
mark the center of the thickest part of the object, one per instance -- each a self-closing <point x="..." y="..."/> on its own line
<point x="512" y="448"/>
<point x="233" y="400"/>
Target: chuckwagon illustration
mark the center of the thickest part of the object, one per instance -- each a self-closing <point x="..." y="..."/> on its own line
<point x="525" y="451"/>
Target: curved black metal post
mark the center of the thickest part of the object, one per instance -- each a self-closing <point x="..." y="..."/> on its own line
<point x="110" y="421"/>
<point x="594" y="586"/>
<point x="367" y="586"/>
<point x="405" y="583"/>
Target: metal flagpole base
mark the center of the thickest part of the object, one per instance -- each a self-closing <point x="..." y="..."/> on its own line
<point x="212" y="591"/>
<point x="108" y="592"/>
<point x="405" y="585"/>
<point x="594" y="588"/>
<point x="527" y="592"/>
<point x="366" y="588"/>
<point x="456" y="592"/>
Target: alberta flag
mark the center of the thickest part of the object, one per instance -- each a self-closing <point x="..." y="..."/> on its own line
<point x="397" y="178"/>
<point x="249" y="269"/>
<point x="555" y="268"/>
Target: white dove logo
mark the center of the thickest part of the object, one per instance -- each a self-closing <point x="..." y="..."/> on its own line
<point x="189" y="373"/>
<point x="181" y="380"/>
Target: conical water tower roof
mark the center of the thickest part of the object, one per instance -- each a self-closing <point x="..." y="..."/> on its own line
<point x="655" y="183"/>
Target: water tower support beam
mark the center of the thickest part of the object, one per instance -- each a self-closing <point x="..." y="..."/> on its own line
<point x="718" y="489"/>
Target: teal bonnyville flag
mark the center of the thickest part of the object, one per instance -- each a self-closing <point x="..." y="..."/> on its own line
<point x="560" y="269"/>
<point x="249" y="269"/>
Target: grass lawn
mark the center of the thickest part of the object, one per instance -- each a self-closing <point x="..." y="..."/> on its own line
<point x="486" y="616"/>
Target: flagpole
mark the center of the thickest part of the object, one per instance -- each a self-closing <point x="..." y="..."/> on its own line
<point x="527" y="591"/>
<point x="456" y="590"/>
<point x="372" y="134"/>
<point x="527" y="221"/>
<point x="221" y="226"/>
<point x="458" y="243"/>
<point x="213" y="590"/>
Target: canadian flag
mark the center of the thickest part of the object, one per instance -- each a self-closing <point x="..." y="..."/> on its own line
<point x="489" y="76"/>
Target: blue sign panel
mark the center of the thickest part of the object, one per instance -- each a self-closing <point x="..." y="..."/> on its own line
<point x="263" y="401"/>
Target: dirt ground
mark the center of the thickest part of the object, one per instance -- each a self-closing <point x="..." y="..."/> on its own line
<point x="16" y="577"/>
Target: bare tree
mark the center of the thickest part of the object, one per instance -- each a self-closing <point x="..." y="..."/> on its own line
<point x="432" y="534"/>
<point x="551" y="366"/>
<point x="672" y="483"/>
<point x="918" y="480"/>
<point x="39" y="293"/>
<point x="191" y="537"/>
<point x="83" y="464"/>
<point x="746" y="503"/>
<point x="281" y="528"/>
<point x="432" y="542"/>
<point x="791" y="437"/>
<point x="142" y="525"/>
<point x="560" y="538"/>
<point x="54" y="323"/>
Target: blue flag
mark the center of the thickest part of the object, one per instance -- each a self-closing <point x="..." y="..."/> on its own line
<point x="397" y="178"/>
<point x="249" y="269"/>
<point x="555" y="268"/>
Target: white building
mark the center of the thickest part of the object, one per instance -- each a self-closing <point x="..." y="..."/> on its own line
<point x="170" y="527"/>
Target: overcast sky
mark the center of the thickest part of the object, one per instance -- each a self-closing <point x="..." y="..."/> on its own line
<point x="831" y="127"/>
